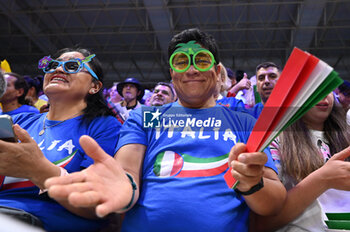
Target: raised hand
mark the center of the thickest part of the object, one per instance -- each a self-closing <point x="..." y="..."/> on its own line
<point x="245" y="83"/>
<point x="23" y="159"/>
<point x="103" y="185"/>
<point x="247" y="168"/>
<point x="336" y="172"/>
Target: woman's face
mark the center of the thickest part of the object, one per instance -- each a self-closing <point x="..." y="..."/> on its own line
<point x="74" y="85"/>
<point x="318" y="114"/>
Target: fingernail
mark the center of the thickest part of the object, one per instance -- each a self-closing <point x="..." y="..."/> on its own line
<point x="242" y="158"/>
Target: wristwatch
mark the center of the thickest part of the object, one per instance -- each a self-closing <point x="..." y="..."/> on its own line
<point x="253" y="189"/>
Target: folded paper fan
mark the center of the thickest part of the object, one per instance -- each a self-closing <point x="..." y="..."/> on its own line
<point x="304" y="81"/>
<point x="5" y="66"/>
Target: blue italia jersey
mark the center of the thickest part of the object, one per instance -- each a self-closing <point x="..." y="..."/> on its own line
<point x="183" y="188"/>
<point x="60" y="145"/>
<point x="232" y="103"/>
<point x="256" y="110"/>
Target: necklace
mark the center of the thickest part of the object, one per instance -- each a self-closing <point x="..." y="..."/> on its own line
<point x="45" y="127"/>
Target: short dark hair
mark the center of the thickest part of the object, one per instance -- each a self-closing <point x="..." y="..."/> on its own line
<point x="169" y="85"/>
<point x="20" y="83"/>
<point x="35" y="82"/>
<point x="203" y="38"/>
<point x="267" y="65"/>
<point x="96" y="104"/>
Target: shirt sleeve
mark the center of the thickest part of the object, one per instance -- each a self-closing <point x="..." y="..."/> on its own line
<point x="105" y="131"/>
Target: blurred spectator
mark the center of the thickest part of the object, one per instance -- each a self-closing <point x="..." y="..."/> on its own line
<point x="239" y="83"/>
<point x="35" y="87"/>
<point x="163" y="93"/>
<point x="229" y="102"/>
<point x="105" y="93"/>
<point x="132" y="92"/>
<point x="114" y="96"/>
<point x="343" y="94"/>
<point x="343" y="97"/>
<point x="3" y="86"/>
<point x="146" y="97"/>
<point x="13" y="101"/>
<point x="267" y="74"/>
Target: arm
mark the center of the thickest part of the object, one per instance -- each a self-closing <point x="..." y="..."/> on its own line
<point x="242" y="84"/>
<point x="248" y="169"/>
<point x="23" y="159"/>
<point x="334" y="174"/>
<point x="104" y="185"/>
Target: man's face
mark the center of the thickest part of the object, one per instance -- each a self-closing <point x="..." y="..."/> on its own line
<point x="195" y="89"/>
<point x="11" y="93"/>
<point x="266" y="79"/>
<point x="161" y="95"/>
<point x="130" y="92"/>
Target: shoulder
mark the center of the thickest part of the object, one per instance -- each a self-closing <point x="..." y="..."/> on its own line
<point x="28" y="108"/>
<point x="256" y="110"/>
<point x="25" y="118"/>
<point x="238" y="114"/>
<point x="105" y="122"/>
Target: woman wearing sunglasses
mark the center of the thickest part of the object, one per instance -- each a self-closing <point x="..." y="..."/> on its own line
<point x="49" y="143"/>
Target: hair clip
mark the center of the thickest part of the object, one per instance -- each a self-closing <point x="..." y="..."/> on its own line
<point x="44" y="62"/>
<point x="88" y="59"/>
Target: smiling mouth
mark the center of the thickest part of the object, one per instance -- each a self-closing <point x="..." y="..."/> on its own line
<point x="322" y="105"/>
<point x="193" y="81"/>
<point x="58" y="79"/>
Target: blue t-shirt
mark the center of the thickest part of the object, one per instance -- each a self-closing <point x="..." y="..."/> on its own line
<point x="22" y="109"/>
<point x="182" y="187"/>
<point x="60" y="145"/>
<point x="232" y="103"/>
<point x="256" y="110"/>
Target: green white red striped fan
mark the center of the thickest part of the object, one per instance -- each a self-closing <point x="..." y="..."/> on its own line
<point x="304" y="81"/>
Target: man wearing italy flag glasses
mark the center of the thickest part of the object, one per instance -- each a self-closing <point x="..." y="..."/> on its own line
<point x="170" y="161"/>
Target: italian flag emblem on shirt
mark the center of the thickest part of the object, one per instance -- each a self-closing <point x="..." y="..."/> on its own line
<point x="169" y="163"/>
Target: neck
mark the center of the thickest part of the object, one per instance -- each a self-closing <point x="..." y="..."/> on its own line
<point x="61" y="111"/>
<point x="314" y="125"/>
<point x="129" y="103"/>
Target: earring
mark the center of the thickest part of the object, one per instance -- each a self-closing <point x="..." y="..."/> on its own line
<point x="93" y="91"/>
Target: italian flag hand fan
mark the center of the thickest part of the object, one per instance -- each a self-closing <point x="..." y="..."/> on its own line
<point x="304" y="81"/>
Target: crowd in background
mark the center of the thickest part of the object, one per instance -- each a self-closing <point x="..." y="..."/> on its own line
<point x="74" y="102"/>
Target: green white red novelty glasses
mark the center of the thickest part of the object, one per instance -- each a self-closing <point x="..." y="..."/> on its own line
<point x="189" y="54"/>
<point x="48" y="65"/>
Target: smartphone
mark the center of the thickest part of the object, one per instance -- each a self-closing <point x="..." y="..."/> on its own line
<point x="6" y="129"/>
